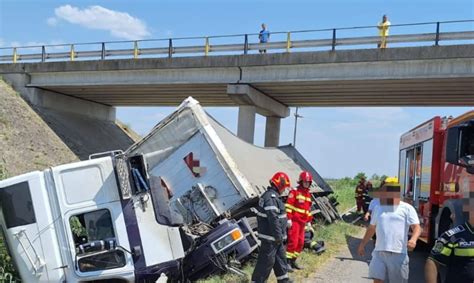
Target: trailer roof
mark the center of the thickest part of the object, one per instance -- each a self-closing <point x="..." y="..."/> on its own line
<point x="258" y="164"/>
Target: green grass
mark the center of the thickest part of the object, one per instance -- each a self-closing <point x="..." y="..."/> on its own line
<point x="333" y="235"/>
<point x="344" y="192"/>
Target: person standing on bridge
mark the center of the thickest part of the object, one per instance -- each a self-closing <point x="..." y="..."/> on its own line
<point x="454" y="249"/>
<point x="391" y="219"/>
<point x="383" y="28"/>
<point x="263" y="37"/>
<point x="272" y="223"/>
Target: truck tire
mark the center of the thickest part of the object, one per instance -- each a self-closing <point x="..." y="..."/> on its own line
<point x="324" y="211"/>
<point x="331" y="210"/>
<point x="333" y="203"/>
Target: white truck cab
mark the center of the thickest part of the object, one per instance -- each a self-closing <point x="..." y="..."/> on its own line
<point x="69" y="224"/>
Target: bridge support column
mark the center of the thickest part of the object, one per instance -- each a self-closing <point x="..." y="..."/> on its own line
<point x="252" y="101"/>
<point x="246" y="123"/>
<point x="272" y="131"/>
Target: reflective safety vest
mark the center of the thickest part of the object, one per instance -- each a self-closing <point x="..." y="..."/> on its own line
<point x="455" y="249"/>
<point x="298" y="205"/>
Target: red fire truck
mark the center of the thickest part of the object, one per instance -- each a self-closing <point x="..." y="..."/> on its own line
<point x="436" y="165"/>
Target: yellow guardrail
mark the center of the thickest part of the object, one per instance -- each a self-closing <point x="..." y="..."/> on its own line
<point x="77" y="51"/>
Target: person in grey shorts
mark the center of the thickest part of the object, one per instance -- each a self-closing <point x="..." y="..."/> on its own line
<point x="391" y="220"/>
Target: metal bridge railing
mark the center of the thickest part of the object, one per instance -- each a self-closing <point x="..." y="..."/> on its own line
<point x="237" y="44"/>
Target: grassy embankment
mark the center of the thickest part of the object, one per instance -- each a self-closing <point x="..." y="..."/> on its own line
<point x="333" y="235"/>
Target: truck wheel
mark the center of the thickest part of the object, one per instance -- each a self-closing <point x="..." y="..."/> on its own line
<point x="324" y="212"/>
<point x="329" y="207"/>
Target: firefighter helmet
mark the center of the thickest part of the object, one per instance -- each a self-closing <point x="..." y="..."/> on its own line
<point x="305" y="176"/>
<point x="281" y="181"/>
<point x="392" y="180"/>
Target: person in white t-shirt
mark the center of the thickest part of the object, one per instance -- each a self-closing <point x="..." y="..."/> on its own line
<point x="392" y="220"/>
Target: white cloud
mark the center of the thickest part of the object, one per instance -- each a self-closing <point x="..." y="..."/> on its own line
<point x="119" y="24"/>
<point x="52" y="21"/>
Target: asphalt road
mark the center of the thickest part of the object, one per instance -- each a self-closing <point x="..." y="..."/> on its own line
<point x="350" y="267"/>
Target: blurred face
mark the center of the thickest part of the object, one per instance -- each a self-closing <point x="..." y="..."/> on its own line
<point x="264" y="26"/>
<point x="384" y="18"/>
<point x="374" y="194"/>
<point x="305" y="184"/>
<point x="468" y="203"/>
<point x="389" y="195"/>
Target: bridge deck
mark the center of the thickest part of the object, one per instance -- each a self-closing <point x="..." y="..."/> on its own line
<point x="409" y="76"/>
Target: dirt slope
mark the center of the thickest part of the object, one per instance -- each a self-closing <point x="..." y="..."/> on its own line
<point x="26" y="142"/>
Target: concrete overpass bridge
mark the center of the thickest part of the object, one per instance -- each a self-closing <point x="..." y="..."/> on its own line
<point x="267" y="84"/>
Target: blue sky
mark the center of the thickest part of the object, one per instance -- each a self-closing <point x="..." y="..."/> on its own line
<point x="337" y="141"/>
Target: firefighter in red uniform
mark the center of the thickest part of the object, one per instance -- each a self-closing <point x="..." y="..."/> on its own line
<point x="298" y="210"/>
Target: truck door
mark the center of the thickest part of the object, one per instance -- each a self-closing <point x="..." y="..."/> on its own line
<point x="29" y="228"/>
<point x="96" y="237"/>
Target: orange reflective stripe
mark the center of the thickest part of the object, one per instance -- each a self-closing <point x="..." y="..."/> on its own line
<point x="303" y="198"/>
<point x="299" y="210"/>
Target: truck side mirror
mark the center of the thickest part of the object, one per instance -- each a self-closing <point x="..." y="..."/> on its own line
<point x="452" y="146"/>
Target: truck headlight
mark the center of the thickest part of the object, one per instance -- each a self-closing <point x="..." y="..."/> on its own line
<point x="227" y="240"/>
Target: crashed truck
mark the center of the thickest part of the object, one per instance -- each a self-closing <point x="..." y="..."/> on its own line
<point x="176" y="203"/>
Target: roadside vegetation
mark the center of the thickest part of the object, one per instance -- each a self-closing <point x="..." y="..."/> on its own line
<point x="334" y="236"/>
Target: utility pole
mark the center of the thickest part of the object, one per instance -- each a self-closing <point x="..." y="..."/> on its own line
<point x="296" y="125"/>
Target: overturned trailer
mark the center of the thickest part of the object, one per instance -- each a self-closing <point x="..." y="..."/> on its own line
<point x="215" y="157"/>
<point x="177" y="202"/>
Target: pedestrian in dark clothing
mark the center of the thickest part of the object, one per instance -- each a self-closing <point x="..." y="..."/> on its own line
<point x="366" y="197"/>
<point x="263" y="37"/>
<point x="272" y="224"/>
<point x="359" y="194"/>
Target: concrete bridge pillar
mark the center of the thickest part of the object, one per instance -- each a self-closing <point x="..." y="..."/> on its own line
<point x="246" y="123"/>
<point x="272" y="131"/>
<point x="252" y="101"/>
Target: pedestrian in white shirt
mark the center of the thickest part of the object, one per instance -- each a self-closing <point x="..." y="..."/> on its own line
<point x="391" y="220"/>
